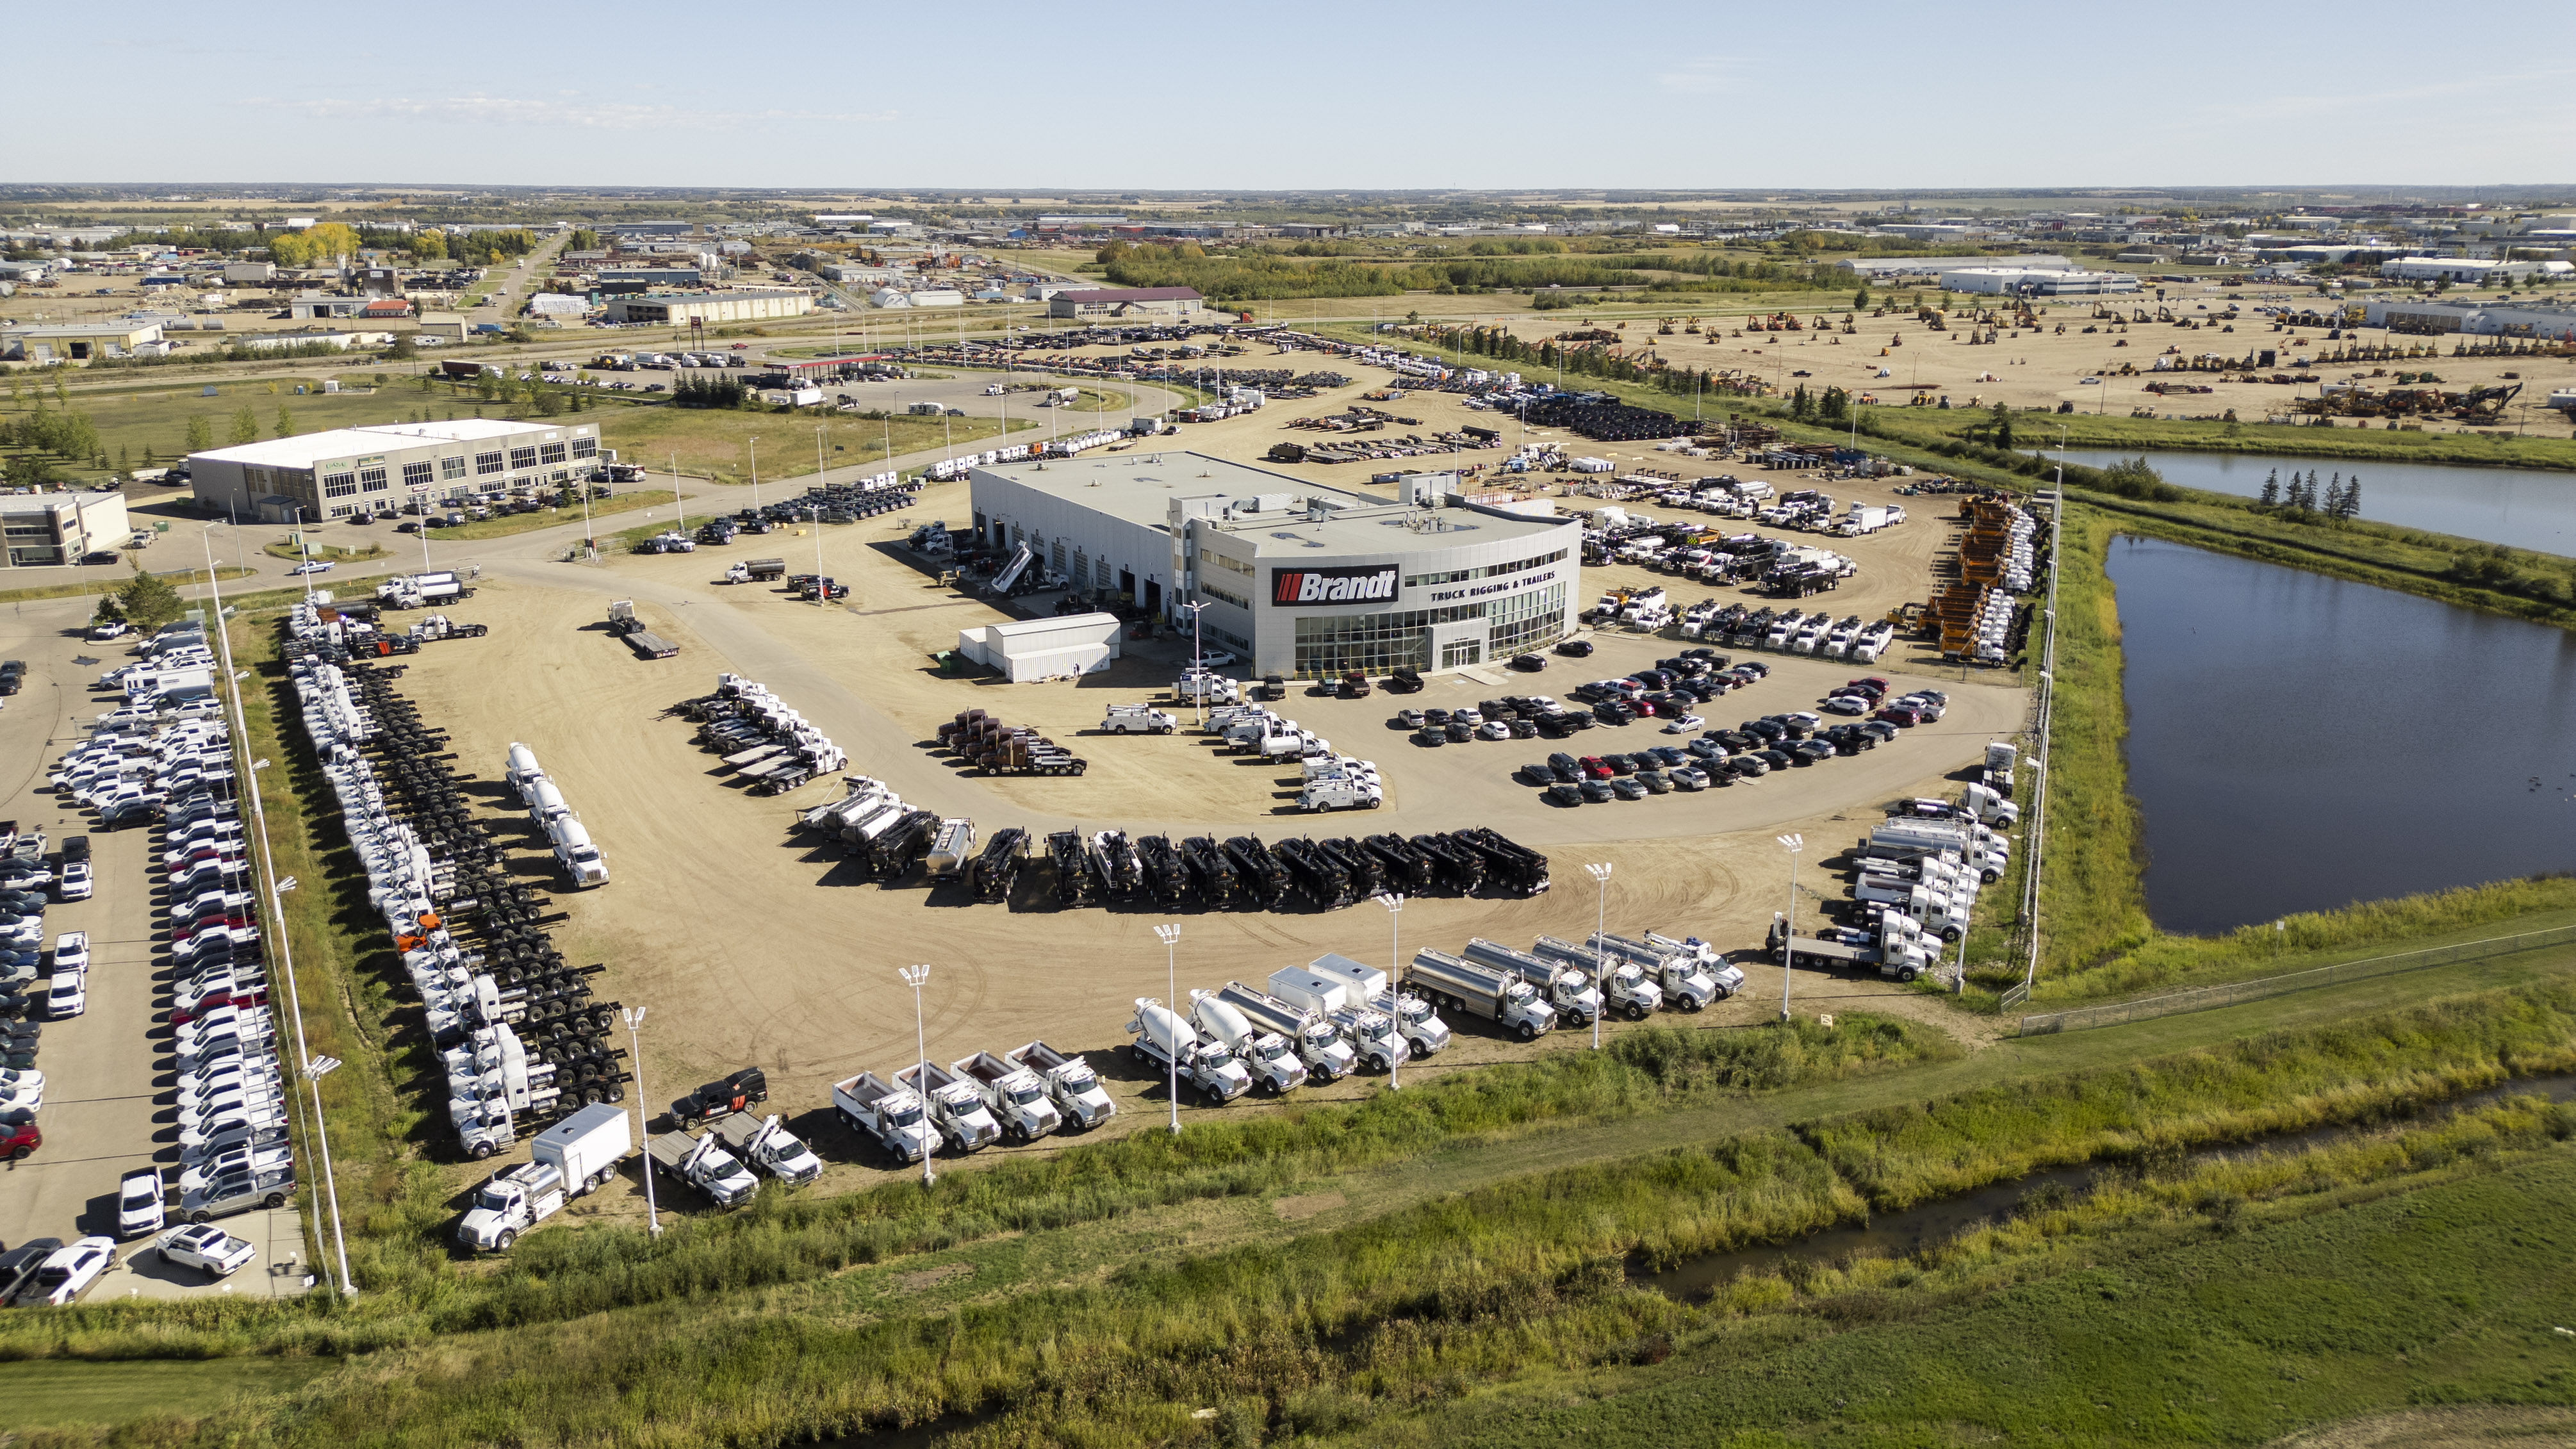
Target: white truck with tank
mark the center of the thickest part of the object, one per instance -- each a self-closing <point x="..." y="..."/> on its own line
<point x="1632" y="990"/>
<point x="1268" y="1055"/>
<point x="1317" y="1041"/>
<point x="1567" y="989"/>
<point x="1498" y="995"/>
<point x="1069" y="1081"/>
<point x="766" y="1144"/>
<point x="573" y="1158"/>
<point x="1690" y="970"/>
<point x="1165" y="1041"/>
<point x="702" y="1163"/>
<point x="1907" y="839"/>
<point x="956" y="1108"/>
<point x="886" y="1114"/>
<point x="1012" y="1093"/>
<point x="573" y="850"/>
<point x="420" y="591"/>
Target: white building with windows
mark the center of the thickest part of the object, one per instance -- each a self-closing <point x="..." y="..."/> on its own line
<point x="379" y="469"/>
<point x="1301" y="579"/>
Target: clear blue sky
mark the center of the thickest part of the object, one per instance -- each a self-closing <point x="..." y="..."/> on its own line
<point x="1320" y="94"/>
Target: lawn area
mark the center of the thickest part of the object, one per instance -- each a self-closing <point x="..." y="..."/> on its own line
<point x="154" y="416"/>
<point x="50" y="1393"/>
<point x="715" y="443"/>
<point x="322" y="552"/>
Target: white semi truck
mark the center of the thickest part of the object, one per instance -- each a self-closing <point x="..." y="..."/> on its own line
<point x="492" y="1081"/>
<point x="888" y="1115"/>
<point x="766" y="1144"/>
<point x="1691" y="971"/>
<point x="1499" y="996"/>
<point x="1371" y="1033"/>
<point x="1632" y="990"/>
<point x="571" y="1159"/>
<point x="956" y="1108"/>
<point x="1421" y="1028"/>
<point x="1069" y="1081"/>
<point x="1317" y="1041"/>
<point x="1274" y="1063"/>
<point x="1567" y="989"/>
<point x="1166" y="1041"/>
<point x="1015" y="1096"/>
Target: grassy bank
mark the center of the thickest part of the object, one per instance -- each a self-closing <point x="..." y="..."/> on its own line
<point x="1924" y="427"/>
<point x="105" y="582"/>
<point x="1513" y="1281"/>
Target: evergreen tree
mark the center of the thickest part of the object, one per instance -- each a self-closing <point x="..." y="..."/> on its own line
<point x="2334" y="497"/>
<point x="148" y="600"/>
<point x="285" y="422"/>
<point x="2351" y="507"/>
<point x="2271" y="490"/>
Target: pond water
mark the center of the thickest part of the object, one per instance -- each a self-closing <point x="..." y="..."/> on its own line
<point x="2299" y="743"/>
<point x="2531" y="508"/>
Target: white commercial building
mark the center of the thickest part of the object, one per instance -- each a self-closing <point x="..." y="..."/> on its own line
<point x="1298" y="578"/>
<point x="2037" y="281"/>
<point x="2470" y="270"/>
<point x="679" y="309"/>
<point x="61" y="528"/>
<point x="1043" y="648"/>
<point x="1880" y="268"/>
<point x="335" y="474"/>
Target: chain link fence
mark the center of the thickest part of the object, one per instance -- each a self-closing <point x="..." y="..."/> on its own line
<point x="2206" y="998"/>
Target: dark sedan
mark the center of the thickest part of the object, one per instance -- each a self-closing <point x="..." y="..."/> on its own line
<point x="1596" y="791"/>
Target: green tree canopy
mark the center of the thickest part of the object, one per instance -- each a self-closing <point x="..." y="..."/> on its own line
<point x="148" y="600"/>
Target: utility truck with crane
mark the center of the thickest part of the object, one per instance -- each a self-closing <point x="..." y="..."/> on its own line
<point x="766" y="1144"/>
<point x="702" y="1163"/>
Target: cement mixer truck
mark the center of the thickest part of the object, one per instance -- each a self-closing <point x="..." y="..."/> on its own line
<point x="1165" y="1041"/>
<point x="1267" y="1055"/>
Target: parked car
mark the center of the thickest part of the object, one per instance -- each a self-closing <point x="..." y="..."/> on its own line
<point x="138" y="1202"/>
<point x="74" y="883"/>
<point x="18" y="1266"/>
<point x="1412" y="719"/>
<point x="1595" y="791"/>
<point x="1628" y="789"/>
<point x="1529" y="663"/>
<point x="1574" y="648"/>
<point x="67" y="996"/>
<point x="211" y="1250"/>
<point x="239" y="1192"/>
<point x="1682" y="724"/>
<point x="1564" y="793"/>
<point x="1690" y="777"/>
<point x="1897" y="714"/>
<point x="1847" y="704"/>
<point x="68" y="1272"/>
<point x="1654" y="782"/>
<point x="312" y="566"/>
<point x="1564" y="767"/>
<point x="1534" y="774"/>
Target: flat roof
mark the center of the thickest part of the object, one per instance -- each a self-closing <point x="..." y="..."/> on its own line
<point x="700" y="296"/>
<point x="308" y="448"/>
<point x="1140" y="490"/>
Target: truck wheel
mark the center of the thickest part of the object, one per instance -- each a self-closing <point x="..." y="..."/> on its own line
<point x="1908" y="974"/>
<point x="1990" y="876"/>
<point x="201" y="1216"/>
<point x="1636" y="1013"/>
<point x="1692" y="1004"/>
<point x="1528" y="1032"/>
<point x="273" y="1201"/>
<point x="1950" y="933"/>
<point x="503" y="1242"/>
<point x="482" y="1150"/>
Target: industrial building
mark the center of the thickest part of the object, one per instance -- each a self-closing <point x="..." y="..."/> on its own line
<point x="2037" y="281"/>
<point x="1037" y="649"/>
<point x="49" y="343"/>
<point x="1298" y="578"/>
<point x="654" y="276"/>
<point x="61" y="528"/>
<point x="1125" y="302"/>
<point x="2470" y="271"/>
<point x="1883" y="268"/>
<point x="711" y="308"/>
<point x="334" y="474"/>
<point x="2553" y="321"/>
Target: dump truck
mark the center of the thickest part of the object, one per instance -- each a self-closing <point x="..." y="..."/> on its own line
<point x="956" y="1108"/>
<point x="888" y="1115"/>
<point x="1069" y="1081"/>
<point x="756" y="571"/>
<point x="1016" y="1096"/>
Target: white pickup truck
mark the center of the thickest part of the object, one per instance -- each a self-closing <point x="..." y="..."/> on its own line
<point x="1128" y="719"/>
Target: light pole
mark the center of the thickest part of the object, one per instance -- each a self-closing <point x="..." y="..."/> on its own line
<point x="755" y="473"/>
<point x="916" y="977"/>
<point x="1170" y="936"/>
<point x="1789" y="923"/>
<point x="1198" y="669"/>
<point x="1394" y="971"/>
<point x="1600" y="924"/>
<point x="643" y="1112"/>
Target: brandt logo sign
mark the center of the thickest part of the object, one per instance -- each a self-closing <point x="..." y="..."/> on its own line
<point x="1357" y="584"/>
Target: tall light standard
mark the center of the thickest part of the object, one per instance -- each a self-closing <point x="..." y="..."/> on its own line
<point x="1600" y="924"/>
<point x="1198" y="668"/>
<point x="755" y="473"/>
<point x="1394" y="969"/>
<point x="643" y="1111"/>
<point x="821" y="598"/>
<point x="1170" y="936"/>
<point x="916" y="977"/>
<point x="1789" y="923"/>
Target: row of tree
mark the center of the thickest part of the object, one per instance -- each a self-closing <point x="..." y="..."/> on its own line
<point x="2340" y="500"/>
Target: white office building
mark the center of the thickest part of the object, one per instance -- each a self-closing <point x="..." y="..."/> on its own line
<point x="336" y="474"/>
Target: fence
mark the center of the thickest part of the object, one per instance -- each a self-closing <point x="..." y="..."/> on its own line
<point x="2206" y="998"/>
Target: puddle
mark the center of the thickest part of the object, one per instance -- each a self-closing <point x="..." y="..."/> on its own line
<point x="1902" y="1234"/>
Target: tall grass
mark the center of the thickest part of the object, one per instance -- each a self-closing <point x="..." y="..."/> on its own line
<point x="1413" y="1307"/>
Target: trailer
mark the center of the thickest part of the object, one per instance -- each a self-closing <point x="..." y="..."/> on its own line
<point x="1507" y="863"/>
<point x="1903" y="961"/>
<point x="951" y="853"/>
<point x="1261" y="875"/>
<point x="1453" y="864"/>
<point x="1567" y="988"/>
<point x="622" y="624"/>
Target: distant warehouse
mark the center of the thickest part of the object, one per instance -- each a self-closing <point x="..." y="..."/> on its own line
<point x="682" y="308"/>
<point x="338" y="473"/>
<point x="1125" y="302"/>
<point x="2037" y="281"/>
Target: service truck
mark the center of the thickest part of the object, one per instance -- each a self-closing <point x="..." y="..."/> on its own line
<point x="1012" y="1093"/>
<point x="1275" y="1064"/>
<point x="1974" y="844"/>
<point x="888" y="1115"/>
<point x="1568" y="989"/>
<point x="956" y="1108"/>
<point x="574" y="1157"/>
<point x="1899" y="953"/>
<point x="1317" y="1041"/>
<point x="1371" y="1033"/>
<point x="702" y="1163"/>
<point x="1124" y="719"/>
<point x="1632" y="989"/>
<point x="1422" y="1030"/>
<point x="1499" y="996"/>
<point x="756" y="571"/>
<point x="766" y="1144"/>
<point x="1069" y="1081"/>
<point x="1165" y="1041"/>
<point x="1941" y="911"/>
<point x="1691" y="971"/>
<point x="419" y="591"/>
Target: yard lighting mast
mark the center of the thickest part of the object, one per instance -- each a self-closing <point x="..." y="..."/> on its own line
<point x="916" y="977"/>
<point x="1789" y="923"/>
<point x="1600" y="925"/>
<point x="1394" y="965"/>
<point x="1170" y="936"/>
<point x="1198" y="668"/>
<point x="643" y="1114"/>
<point x="755" y="473"/>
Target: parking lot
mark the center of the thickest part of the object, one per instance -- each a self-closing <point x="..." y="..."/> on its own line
<point x="109" y="1103"/>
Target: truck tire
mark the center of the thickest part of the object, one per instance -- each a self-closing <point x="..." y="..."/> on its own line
<point x="1950" y="933"/>
<point x="1636" y="1012"/>
<point x="201" y="1216"/>
<point x="503" y="1242"/>
<point x="482" y="1150"/>
<point x="1908" y="974"/>
<point x="1528" y="1032"/>
<point x="273" y="1201"/>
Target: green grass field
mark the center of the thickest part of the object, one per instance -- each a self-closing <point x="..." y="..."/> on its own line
<point x="1925" y="426"/>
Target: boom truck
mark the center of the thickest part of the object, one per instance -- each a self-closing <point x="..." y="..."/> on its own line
<point x="1012" y="1093"/>
<point x="1276" y="1067"/>
<point x="1568" y="989"/>
<point x="1069" y="1082"/>
<point x="1498" y="995"/>
<point x="956" y="1108"/>
<point x="1630" y="988"/>
<point x="1165" y="1039"/>
<point x="888" y="1115"/>
<point x="702" y="1163"/>
<point x="1422" y="1030"/>
<point x="766" y="1144"/>
<point x="1317" y="1041"/>
<point x="1371" y="1033"/>
<point x="571" y="1159"/>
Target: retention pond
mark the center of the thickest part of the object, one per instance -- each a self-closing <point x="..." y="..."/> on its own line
<point x="2531" y="508"/>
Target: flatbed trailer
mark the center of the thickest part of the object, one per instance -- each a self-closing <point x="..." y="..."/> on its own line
<point x="649" y="645"/>
<point x="756" y="755"/>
